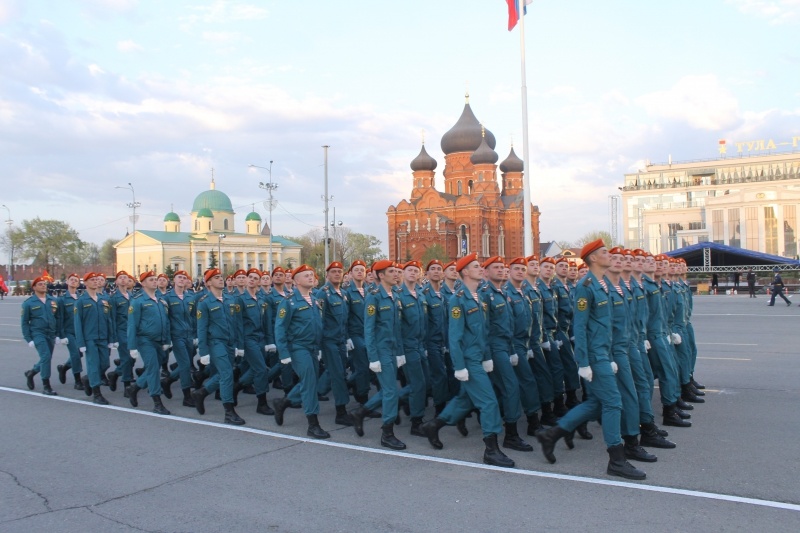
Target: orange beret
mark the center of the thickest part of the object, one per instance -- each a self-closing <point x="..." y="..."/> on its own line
<point x="548" y="260"/>
<point x="303" y="268"/>
<point x="583" y="266"/>
<point x="275" y="270"/>
<point x="120" y="273"/>
<point x="628" y="252"/>
<point x="255" y="271"/>
<point x="573" y="264"/>
<point x="661" y="257"/>
<point x="590" y="247"/>
<point x="519" y="261"/>
<point x="40" y="278"/>
<point x="240" y="272"/>
<point x="88" y="276"/>
<point x="617" y="250"/>
<point x="464" y="261"/>
<point x="357" y="262"/>
<point x="335" y="264"/>
<point x="413" y="264"/>
<point x="562" y="259"/>
<point x="210" y="273"/>
<point x="73" y="275"/>
<point x="162" y="275"/>
<point x="532" y="258"/>
<point x="638" y="252"/>
<point x="448" y="265"/>
<point x="434" y="262"/>
<point x="383" y="264"/>
<point x="181" y="273"/>
<point x="144" y="275"/>
<point x="492" y="260"/>
<point x="682" y="260"/>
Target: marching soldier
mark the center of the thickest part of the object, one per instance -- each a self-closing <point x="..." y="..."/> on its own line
<point x="93" y="334"/>
<point x="120" y="303"/>
<point x="39" y="317"/>
<point x="183" y="332"/>
<point x="549" y="345"/>
<point x="357" y="349"/>
<point x="413" y="324"/>
<point x="256" y="316"/>
<point x="66" y="332"/>
<point x="562" y="337"/>
<point x="436" y="334"/>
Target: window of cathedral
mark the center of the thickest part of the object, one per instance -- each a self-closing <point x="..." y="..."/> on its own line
<point x="225" y="223"/>
<point x="459" y="188"/>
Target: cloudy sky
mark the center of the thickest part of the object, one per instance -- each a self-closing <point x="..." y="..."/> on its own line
<point x="99" y="93"/>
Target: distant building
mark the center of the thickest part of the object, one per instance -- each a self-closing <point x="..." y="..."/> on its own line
<point x="213" y="232"/>
<point x="746" y="201"/>
<point x="474" y="213"/>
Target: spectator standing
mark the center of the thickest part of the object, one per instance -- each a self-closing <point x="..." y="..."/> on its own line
<point x="751" y="283"/>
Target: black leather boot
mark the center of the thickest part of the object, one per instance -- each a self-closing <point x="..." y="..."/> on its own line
<point x="416" y="427"/>
<point x="548" y="418"/>
<point x="662" y="432"/>
<point x="671" y="418"/>
<point x="98" y="396"/>
<point x="683" y="414"/>
<point x="29" y="378"/>
<point x="343" y="418"/>
<point x="133" y="391"/>
<point x="548" y="439"/>
<point x="583" y="432"/>
<point x="199" y="397"/>
<point x="166" y="386"/>
<point x="188" y="401"/>
<point x="314" y="429"/>
<point x="237" y="388"/>
<point x="689" y="396"/>
<point x="492" y="454"/>
<point x="683" y="406"/>
<point x="103" y="380"/>
<point x="158" y="407"/>
<point x="112" y="381"/>
<point x="62" y="372"/>
<point x="280" y="405"/>
<point x="513" y="440"/>
<point x="125" y="385"/>
<point x="231" y="417"/>
<point x="559" y="409"/>
<point x="695" y="390"/>
<point x="47" y="390"/>
<point x="78" y="382"/>
<point x="357" y="415"/>
<point x="431" y="430"/>
<point x="87" y="389"/>
<point x="438" y="408"/>
<point x="388" y="440"/>
<point x="262" y="406"/>
<point x="461" y="426"/>
<point x="650" y="437"/>
<point x="572" y="399"/>
<point x="696" y="384"/>
<point x="618" y="466"/>
<point x="533" y="424"/>
<point x="635" y="452"/>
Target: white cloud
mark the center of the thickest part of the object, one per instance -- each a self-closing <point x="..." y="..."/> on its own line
<point x="128" y="46"/>
<point x="223" y="37"/>
<point x="699" y="101"/>
<point x="9" y="9"/>
<point x="775" y="11"/>
<point x="221" y="12"/>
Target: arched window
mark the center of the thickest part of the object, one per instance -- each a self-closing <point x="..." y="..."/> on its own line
<point x="225" y="223"/>
<point x="485" y="241"/>
<point x="501" y="243"/>
<point x="459" y="188"/>
<point x="469" y="186"/>
<point x="197" y="225"/>
<point x="463" y="241"/>
<point x="209" y="225"/>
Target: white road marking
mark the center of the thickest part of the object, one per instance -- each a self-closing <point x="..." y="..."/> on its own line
<point x="440" y="460"/>
<point x="724" y="344"/>
<point x="741" y="314"/>
<point x="10" y="340"/>
<point x="725" y="358"/>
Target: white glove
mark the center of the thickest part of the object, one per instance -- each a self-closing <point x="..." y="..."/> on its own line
<point x="165" y="347"/>
<point x="559" y="344"/>
<point x="350" y="345"/>
<point x="82" y="349"/>
<point x="545" y="345"/>
<point x="375" y="367"/>
<point x="488" y="366"/>
<point x="196" y="342"/>
<point x="319" y="356"/>
<point x="586" y="373"/>
<point x="135" y="356"/>
<point x="646" y="344"/>
<point x="401" y="360"/>
<point x="426" y="353"/>
<point x="514" y="358"/>
<point x="65" y="341"/>
<point x="271" y="348"/>
<point x="676" y="338"/>
<point x="286" y="361"/>
<point x="58" y="340"/>
<point x="461" y="375"/>
<point x="237" y="352"/>
<point x="669" y="339"/>
<point x="572" y="339"/>
<point x="529" y="355"/>
<point x="33" y="346"/>
<point x="614" y="367"/>
<point x="206" y="360"/>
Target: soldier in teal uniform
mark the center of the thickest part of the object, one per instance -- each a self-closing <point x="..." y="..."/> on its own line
<point x="563" y="334"/>
<point x="593" y="351"/>
<point x="148" y="336"/>
<point x="93" y="325"/>
<point x="183" y="331"/>
<point x="298" y="335"/>
<point x="357" y="349"/>
<point x="275" y="291"/>
<point x="256" y="316"/>
<point x="696" y="387"/>
<point x="468" y="335"/>
<point x="219" y="340"/>
<point x="436" y="333"/>
<point x="66" y="332"/>
<point x="120" y="302"/>
<point x="39" y="327"/>
<point x="413" y="325"/>
<point x="680" y="336"/>
<point x="384" y="348"/>
<point x="547" y="268"/>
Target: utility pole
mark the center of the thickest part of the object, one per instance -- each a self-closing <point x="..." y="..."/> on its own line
<point x="133" y="205"/>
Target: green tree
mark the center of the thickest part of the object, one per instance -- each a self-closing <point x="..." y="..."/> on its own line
<point x="436" y="251"/>
<point x="358" y="246"/>
<point x="593" y="236"/>
<point x="48" y="242"/>
<point x="212" y="260"/>
<point x="169" y="271"/>
<point x="108" y="254"/>
<point x="11" y="243"/>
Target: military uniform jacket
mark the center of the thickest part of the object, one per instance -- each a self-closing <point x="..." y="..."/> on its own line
<point x="299" y="324"/>
<point x="679" y="306"/>
<point x="382" y="325"/>
<point x="668" y="301"/>
<point x="468" y="329"/>
<point x="119" y="316"/>
<point x="335" y="311"/>
<point x="500" y="318"/>
<point x="414" y="319"/>
<point x="39" y="317"/>
<point x="219" y="320"/>
<point x="592" y="322"/>
<point x="274" y="299"/>
<point x="182" y="315"/>
<point x="620" y="319"/>
<point x="549" y="306"/>
<point x="256" y="315"/>
<point x="564" y="304"/>
<point x="656" y="325"/>
<point x="436" y="329"/>
<point x="92" y="320"/>
<point x="148" y="318"/>
<point x="522" y="312"/>
<point x="356" y="310"/>
<point x="640" y="310"/>
<point x="66" y="315"/>
<point x="537" y="312"/>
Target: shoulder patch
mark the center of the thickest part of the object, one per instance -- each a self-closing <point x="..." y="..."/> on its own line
<point x="282" y="313"/>
<point x="130" y="309"/>
<point x="455" y="312"/>
<point x="370" y="310"/>
<point x="587" y="281"/>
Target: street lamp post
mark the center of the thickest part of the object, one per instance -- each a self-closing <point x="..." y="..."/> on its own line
<point x="326" y="199"/>
<point x="269" y="187"/>
<point x="219" y="253"/>
<point x="333" y="225"/>
<point x="9" y="222"/>
<point x="133" y="205"/>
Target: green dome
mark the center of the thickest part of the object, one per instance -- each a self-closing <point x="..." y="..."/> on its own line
<point x="214" y="200"/>
<point x="205" y="212"/>
<point x="172" y="217"/>
<point x="253" y="216"/>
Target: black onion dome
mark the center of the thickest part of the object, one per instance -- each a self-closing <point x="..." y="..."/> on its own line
<point x="484" y="155"/>
<point x="512" y="163"/>
<point x="423" y="161"/>
<point x="465" y="136"/>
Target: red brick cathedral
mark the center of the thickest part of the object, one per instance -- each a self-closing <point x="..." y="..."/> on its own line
<point x="475" y="213"/>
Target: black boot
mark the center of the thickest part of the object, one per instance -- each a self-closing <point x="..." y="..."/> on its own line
<point x="188" y="401"/>
<point x="98" y="396"/>
<point x="650" y="437"/>
<point x="199" y="397"/>
<point x="343" y="418"/>
<point x="231" y="417"/>
<point x="662" y="432"/>
<point x="62" y="372"/>
<point x="125" y="385"/>
<point x="492" y="454"/>
<point x="431" y="430"/>
<point x="388" y="440"/>
<point x="584" y="432"/>
<point x="533" y="424"/>
<point x="237" y="388"/>
<point x="29" y="378"/>
<point x="47" y="390"/>
<point x="280" y="406"/>
<point x="513" y="440"/>
<point x="87" y="389"/>
<point x="461" y="426"/>
<point x="635" y="452"/>
<point x="357" y="415"/>
<point x="559" y="409"/>
<point x="103" y="380"/>
<point x="696" y="384"/>
<point x="78" y="382"/>
<point x="113" y="376"/>
<point x="263" y="407"/>
<point x="548" y="439"/>
<point x="683" y="406"/>
<point x="695" y="390"/>
<point x="671" y="418"/>
<point x="688" y="396"/>
<point x="166" y="386"/>
<point x="618" y="466"/>
<point x="158" y="407"/>
<point x="572" y="399"/>
<point x="416" y="426"/>
<point x="548" y="418"/>
<point x="133" y="391"/>
<point x="683" y="414"/>
<point x="438" y="408"/>
<point x="314" y="429"/>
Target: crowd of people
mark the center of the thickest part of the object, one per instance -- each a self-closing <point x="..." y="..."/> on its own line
<point x="549" y="341"/>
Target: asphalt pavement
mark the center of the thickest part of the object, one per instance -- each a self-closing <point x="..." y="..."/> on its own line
<point x="69" y="465"/>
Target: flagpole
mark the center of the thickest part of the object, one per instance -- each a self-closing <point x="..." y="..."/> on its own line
<point x="526" y="177"/>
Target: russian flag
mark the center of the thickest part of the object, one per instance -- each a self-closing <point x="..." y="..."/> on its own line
<point x="513" y="12"/>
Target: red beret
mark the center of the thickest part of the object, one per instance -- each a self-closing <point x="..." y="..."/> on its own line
<point x="275" y="270"/>
<point x="73" y="275"/>
<point x="383" y="264"/>
<point x="583" y="265"/>
<point x="590" y="247"/>
<point x="120" y="273"/>
<point x="144" y="275"/>
<point x="162" y="275"/>
<point x="682" y="260"/>
<point x="617" y="250"/>
<point x="627" y="252"/>
<point x="532" y="258"/>
<point x="661" y="257"/>
<point x="519" y="261"/>
<point x="182" y="273"/>
<point x="434" y="262"/>
<point x="357" y="262"/>
<point x="638" y="252"/>
<point x="464" y="261"/>
<point x="229" y="277"/>
<point x="548" y="260"/>
<point x="210" y="273"/>
<point x="573" y="264"/>
<point x="335" y="264"/>
<point x="303" y="268"/>
<point x="448" y="265"/>
<point x="562" y="259"/>
<point x="40" y="278"/>
<point x="255" y="271"/>
<point x="413" y="264"/>
<point x="492" y="260"/>
<point x="240" y="272"/>
<point x="88" y="276"/>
